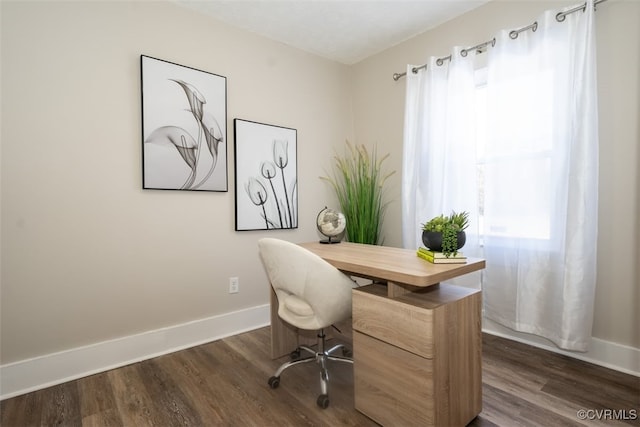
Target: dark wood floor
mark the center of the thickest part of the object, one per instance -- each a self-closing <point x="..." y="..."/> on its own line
<point x="224" y="383"/>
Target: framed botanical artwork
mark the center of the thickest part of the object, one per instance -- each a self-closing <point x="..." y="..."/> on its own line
<point x="184" y="127"/>
<point x="266" y="175"/>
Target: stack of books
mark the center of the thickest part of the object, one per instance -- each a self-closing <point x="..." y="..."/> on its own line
<point x="440" y="258"/>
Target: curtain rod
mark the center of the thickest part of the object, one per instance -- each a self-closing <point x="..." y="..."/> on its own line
<point x="482" y="47"/>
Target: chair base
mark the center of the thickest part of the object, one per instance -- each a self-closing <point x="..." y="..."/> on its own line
<point x="321" y="356"/>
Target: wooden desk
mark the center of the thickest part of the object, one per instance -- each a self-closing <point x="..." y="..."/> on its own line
<point x="401" y="269"/>
<point x="417" y="344"/>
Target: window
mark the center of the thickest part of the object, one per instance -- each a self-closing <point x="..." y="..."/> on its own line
<point x="524" y="213"/>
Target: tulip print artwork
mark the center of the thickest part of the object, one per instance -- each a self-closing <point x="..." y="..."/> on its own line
<point x="266" y="176"/>
<point x="183" y="126"/>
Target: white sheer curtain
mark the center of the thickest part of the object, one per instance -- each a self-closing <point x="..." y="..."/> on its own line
<point x="537" y="166"/>
<point x="542" y="169"/>
<point x="439" y="159"/>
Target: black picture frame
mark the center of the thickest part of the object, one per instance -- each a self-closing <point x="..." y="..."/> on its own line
<point x="266" y="176"/>
<point x="184" y="127"/>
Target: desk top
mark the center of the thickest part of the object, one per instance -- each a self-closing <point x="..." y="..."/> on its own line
<point x="390" y="264"/>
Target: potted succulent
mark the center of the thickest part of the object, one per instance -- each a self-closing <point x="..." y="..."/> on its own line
<point x="446" y="233"/>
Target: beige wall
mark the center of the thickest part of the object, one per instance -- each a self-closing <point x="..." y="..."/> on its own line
<point x="378" y="106"/>
<point x="86" y="254"/>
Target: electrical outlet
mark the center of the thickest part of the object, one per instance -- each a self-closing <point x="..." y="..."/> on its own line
<point x="234" y="285"/>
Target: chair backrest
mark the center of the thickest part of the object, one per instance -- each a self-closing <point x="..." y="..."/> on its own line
<point x="293" y="270"/>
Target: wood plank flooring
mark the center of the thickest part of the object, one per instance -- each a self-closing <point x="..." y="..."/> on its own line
<point x="224" y="383"/>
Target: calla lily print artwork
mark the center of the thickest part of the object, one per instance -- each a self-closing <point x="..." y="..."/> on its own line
<point x="184" y="116"/>
<point x="266" y="176"/>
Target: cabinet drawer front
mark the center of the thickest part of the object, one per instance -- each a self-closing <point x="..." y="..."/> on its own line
<point x="404" y="325"/>
<point x="392" y="386"/>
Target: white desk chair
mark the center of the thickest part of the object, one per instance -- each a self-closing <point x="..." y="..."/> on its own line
<point x="312" y="295"/>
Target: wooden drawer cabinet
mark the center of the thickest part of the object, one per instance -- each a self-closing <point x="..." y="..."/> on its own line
<point x="418" y="356"/>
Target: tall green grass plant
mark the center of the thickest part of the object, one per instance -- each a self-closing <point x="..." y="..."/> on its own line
<point x="358" y="181"/>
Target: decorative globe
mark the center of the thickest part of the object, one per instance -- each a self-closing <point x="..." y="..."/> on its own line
<point x="331" y="224"/>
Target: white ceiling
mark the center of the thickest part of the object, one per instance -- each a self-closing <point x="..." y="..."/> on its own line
<point x="346" y="31"/>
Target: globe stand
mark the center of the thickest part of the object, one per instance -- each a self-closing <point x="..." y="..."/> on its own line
<point x="329" y="241"/>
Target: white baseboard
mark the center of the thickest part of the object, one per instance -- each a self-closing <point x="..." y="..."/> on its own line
<point x="603" y="353"/>
<point x="33" y="374"/>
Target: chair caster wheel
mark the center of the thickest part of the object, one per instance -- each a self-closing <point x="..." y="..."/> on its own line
<point x="294" y="355"/>
<point x="274" y="382"/>
<point x="323" y="401"/>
